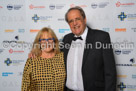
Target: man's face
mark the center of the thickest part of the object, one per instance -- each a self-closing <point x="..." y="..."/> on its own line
<point x="76" y="22"/>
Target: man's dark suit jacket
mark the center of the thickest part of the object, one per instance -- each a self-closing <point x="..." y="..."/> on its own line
<point x="98" y="67"/>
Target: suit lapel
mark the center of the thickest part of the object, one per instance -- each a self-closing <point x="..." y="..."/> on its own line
<point x="89" y="40"/>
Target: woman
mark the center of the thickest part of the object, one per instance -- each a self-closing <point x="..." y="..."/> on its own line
<point x="46" y="72"/>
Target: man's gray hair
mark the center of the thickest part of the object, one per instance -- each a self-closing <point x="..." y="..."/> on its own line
<point x="75" y="8"/>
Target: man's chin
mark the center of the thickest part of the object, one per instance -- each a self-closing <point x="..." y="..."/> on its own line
<point x="77" y="32"/>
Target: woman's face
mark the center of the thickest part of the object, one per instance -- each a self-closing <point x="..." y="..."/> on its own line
<point x="47" y="42"/>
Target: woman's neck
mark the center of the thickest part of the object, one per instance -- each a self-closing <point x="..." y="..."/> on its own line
<point x="48" y="54"/>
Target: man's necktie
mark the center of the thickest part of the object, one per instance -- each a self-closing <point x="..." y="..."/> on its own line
<point x="75" y="38"/>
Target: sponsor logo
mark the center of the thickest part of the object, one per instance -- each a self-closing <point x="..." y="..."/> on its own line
<point x="14" y="7"/>
<point x="120" y="30"/>
<point x="36" y="18"/>
<point x="123" y="46"/>
<point x="52" y="6"/>
<point x="9" y="30"/>
<point x="118" y="4"/>
<point x="17" y="7"/>
<point x="57" y="6"/>
<point x="106" y="29"/>
<point x="1" y="7"/>
<point x="63" y="30"/>
<point x="134" y="29"/>
<point x="94" y="5"/>
<point x="133" y="76"/>
<point x="21" y="30"/>
<point x="17" y="37"/>
<point x="34" y="30"/>
<point x="117" y="52"/>
<point x="7" y="73"/>
<point x="9" y="7"/>
<point x="132" y="60"/>
<point x="16" y="51"/>
<point x="61" y="19"/>
<point x="36" y="7"/>
<point x="132" y="63"/>
<point x="123" y="51"/>
<point x="122" y="86"/>
<point x="99" y="5"/>
<point x="122" y="76"/>
<point x="122" y="16"/>
<point x="103" y="4"/>
<point x="130" y="17"/>
<point x="8" y="62"/>
<point x="82" y="6"/>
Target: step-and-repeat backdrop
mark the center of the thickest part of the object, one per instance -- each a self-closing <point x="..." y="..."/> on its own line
<point x="20" y="20"/>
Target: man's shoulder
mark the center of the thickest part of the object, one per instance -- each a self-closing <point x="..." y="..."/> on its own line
<point x="99" y="32"/>
<point x="69" y="34"/>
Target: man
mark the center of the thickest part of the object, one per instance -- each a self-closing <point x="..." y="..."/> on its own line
<point x="88" y="69"/>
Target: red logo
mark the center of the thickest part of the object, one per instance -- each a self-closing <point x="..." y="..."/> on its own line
<point x="10" y="51"/>
<point x="1" y="7"/>
<point x="36" y="7"/>
<point x="118" y="4"/>
<point x="19" y="51"/>
<point x="73" y="5"/>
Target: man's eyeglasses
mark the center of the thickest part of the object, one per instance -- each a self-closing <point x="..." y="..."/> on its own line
<point x="47" y="40"/>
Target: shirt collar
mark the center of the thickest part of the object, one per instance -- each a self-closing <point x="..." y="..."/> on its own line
<point x="84" y="34"/>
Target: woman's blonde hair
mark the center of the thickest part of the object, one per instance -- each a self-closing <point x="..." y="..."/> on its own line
<point x="36" y="49"/>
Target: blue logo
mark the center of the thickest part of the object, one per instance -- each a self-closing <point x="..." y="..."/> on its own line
<point x="63" y="30"/>
<point x="121" y="86"/>
<point x="132" y="60"/>
<point x="17" y="37"/>
<point x="106" y="29"/>
<point x="118" y="52"/>
<point x="134" y="76"/>
<point x="94" y="5"/>
<point x="14" y="7"/>
<point x="52" y="7"/>
<point x="9" y="7"/>
<point x="8" y="61"/>
<point x="21" y="30"/>
<point x="35" y="18"/>
<point x="122" y="16"/>
<point x="7" y="73"/>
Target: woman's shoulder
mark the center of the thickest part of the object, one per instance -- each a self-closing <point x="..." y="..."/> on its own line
<point x="33" y="59"/>
<point x="60" y="54"/>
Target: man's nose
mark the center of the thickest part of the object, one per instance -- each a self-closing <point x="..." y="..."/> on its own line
<point x="75" y="22"/>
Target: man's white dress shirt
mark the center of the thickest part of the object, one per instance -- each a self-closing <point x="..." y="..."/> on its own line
<point x="74" y="63"/>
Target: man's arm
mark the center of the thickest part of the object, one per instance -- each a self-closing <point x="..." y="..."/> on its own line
<point x="109" y="66"/>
